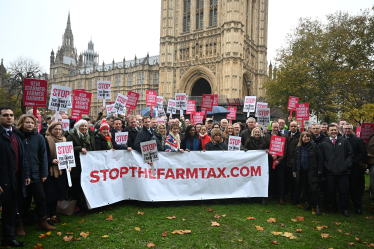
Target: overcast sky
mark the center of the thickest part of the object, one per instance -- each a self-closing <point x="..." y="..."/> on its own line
<point x="124" y="28"/>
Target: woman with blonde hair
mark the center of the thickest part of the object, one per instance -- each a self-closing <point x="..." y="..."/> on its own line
<point x="161" y="134"/>
<point x="216" y="142"/>
<point x="229" y="131"/>
<point x="55" y="187"/>
<point x="256" y="141"/>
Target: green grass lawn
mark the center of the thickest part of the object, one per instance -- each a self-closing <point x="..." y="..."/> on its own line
<point x="235" y="230"/>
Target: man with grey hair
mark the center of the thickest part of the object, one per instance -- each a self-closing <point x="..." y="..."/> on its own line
<point x="342" y="122"/>
<point x="224" y="123"/>
<point x="237" y="128"/>
<point x="245" y="134"/>
<point x="282" y="124"/>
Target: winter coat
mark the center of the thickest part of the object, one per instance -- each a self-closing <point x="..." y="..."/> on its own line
<point x="8" y="165"/>
<point x="36" y="154"/>
<point x="215" y="146"/>
<point x="78" y="145"/>
<point x="114" y="143"/>
<point x="132" y="136"/>
<point x="359" y="150"/>
<point x="281" y="159"/>
<point x="319" y="139"/>
<point x="171" y="144"/>
<point x="337" y="158"/>
<point x="206" y="139"/>
<point x="100" y="142"/>
<point x="292" y="144"/>
<point x="245" y="134"/>
<point x="43" y="131"/>
<point x="197" y="144"/>
<point x="370" y="150"/>
<point x="255" y="144"/>
<point x="162" y="140"/>
<point x="143" y="136"/>
<point x="314" y="160"/>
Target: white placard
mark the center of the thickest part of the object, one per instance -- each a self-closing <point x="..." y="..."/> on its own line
<point x="160" y="121"/>
<point x="161" y="113"/>
<point x="110" y="110"/>
<point x="149" y="151"/>
<point x="263" y="116"/>
<point x="171" y="107"/>
<point x="103" y="89"/>
<point x="260" y="105"/>
<point x="160" y="103"/>
<point x="181" y="101"/>
<point x="249" y="104"/>
<point x="65" y="124"/>
<point x="59" y="99"/>
<point x="120" y="104"/>
<point x="65" y="156"/>
<point x="234" y="143"/>
<point x="121" y="138"/>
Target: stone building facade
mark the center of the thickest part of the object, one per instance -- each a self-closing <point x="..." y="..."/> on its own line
<point x="206" y="46"/>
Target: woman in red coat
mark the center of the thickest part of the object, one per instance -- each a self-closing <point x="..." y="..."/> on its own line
<point x="204" y="136"/>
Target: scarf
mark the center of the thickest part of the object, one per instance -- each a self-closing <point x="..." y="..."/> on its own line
<point x="85" y="139"/>
<point x="53" y="170"/>
<point x="109" y="141"/>
<point x="176" y="138"/>
<point x="202" y="136"/>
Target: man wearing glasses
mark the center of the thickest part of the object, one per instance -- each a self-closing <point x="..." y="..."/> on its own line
<point x="357" y="177"/>
<point x="317" y="134"/>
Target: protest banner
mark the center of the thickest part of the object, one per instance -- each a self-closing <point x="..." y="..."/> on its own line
<point x="215" y="100"/>
<point x="260" y="105"/>
<point x="263" y="116"/>
<point x="366" y="130"/>
<point x="358" y="131"/>
<point x="302" y="113"/>
<point x="207" y="103"/>
<point x="121" y="138"/>
<point x="234" y="143"/>
<point x="110" y="110"/>
<point x="292" y="101"/>
<point x="103" y="90"/>
<point x="151" y="99"/>
<point x="112" y="176"/>
<point x="232" y="114"/>
<point x="119" y="105"/>
<point x="35" y="93"/>
<point x="65" y="157"/>
<point x="59" y="98"/>
<point x="65" y="124"/>
<point x="181" y="101"/>
<point x="249" y="104"/>
<point x="171" y="107"/>
<point x="82" y="102"/>
<point x="160" y="121"/>
<point x="277" y="147"/>
<point x="132" y="100"/>
<point x="160" y="103"/>
<point x="198" y="118"/>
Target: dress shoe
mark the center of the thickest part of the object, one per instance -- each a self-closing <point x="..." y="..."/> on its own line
<point x="358" y="211"/>
<point x="263" y="202"/>
<point x="345" y="213"/>
<point x="307" y="207"/>
<point x="281" y="202"/>
<point x="318" y="211"/>
<point x="12" y="243"/>
<point x="50" y="222"/>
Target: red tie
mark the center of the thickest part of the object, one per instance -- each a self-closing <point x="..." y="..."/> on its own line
<point x="333" y="141"/>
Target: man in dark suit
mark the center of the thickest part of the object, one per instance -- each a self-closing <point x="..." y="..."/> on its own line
<point x="14" y="176"/>
<point x="282" y="124"/>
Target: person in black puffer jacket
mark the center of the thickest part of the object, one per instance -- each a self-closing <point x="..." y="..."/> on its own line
<point x="37" y="160"/>
<point x="132" y="130"/>
<point x="103" y="138"/>
<point x="216" y="142"/>
<point x="307" y="169"/>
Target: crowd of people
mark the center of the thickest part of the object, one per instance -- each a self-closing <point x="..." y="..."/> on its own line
<point x="324" y="160"/>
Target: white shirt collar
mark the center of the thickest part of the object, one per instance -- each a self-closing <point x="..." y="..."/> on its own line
<point x="6" y="130"/>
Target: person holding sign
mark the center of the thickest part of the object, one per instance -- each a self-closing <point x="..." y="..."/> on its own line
<point x="191" y="142"/>
<point x="205" y="138"/>
<point x="55" y="187"/>
<point x="103" y="138"/>
<point x="161" y="134"/>
<point x="216" y="142"/>
<point x="37" y="161"/>
<point x="228" y="131"/>
<point x="276" y="174"/>
<point x="117" y="128"/>
<point x="146" y="134"/>
<point x="83" y="140"/>
<point x="307" y="169"/>
<point x="173" y="141"/>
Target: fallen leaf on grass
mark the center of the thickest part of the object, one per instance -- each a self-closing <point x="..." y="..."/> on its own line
<point x="64" y="224"/>
<point x="105" y="236"/>
<point x="369" y="217"/>
<point x="299" y="230"/>
<point x="315" y="221"/>
<point x="216" y="216"/>
<point x="294" y="220"/>
<point x="59" y="233"/>
<point x="267" y="211"/>
<point x="325" y="235"/>
<point x="313" y="211"/>
<point x="102" y="212"/>
<point x="259" y="228"/>
<point x="300" y="206"/>
<point x="319" y="228"/>
<point x="287" y="234"/>
<point x="300" y="218"/>
<point x="282" y="225"/>
<point x="186" y="231"/>
<point x="164" y="234"/>
<point x="38" y="246"/>
<point x="55" y="220"/>
<point x="339" y="230"/>
<point x="77" y="228"/>
<point x="277" y="233"/>
<point x="224" y="215"/>
<point x="274" y="242"/>
<point x="272" y="220"/>
<point x="76" y="239"/>
<point x="351" y="243"/>
<point x="81" y="221"/>
<point x="170" y="218"/>
<point x="347" y="234"/>
<point x="369" y="245"/>
<point x="150" y="245"/>
<point x="66" y="238"/>
<point x="84" y="234"/>
<point x="45" y="235"/>
<point x="177" y="231"/>
<point x="357" y="239"/>
<point x="69" y="233"/>
<point x="251" y="218"/>
<point x="337" y="223"/>
<point x="210" y="210"/>
<point x="183" y="219"/>
<point x="110" y="217"/>
<point x="140" y="213"/>
<point x="137" y="229"/>
<point x="240" y="240"/>
<point x="215" y="224"/>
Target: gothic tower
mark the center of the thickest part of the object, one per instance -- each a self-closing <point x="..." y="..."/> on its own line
<point x="68" y="41"/>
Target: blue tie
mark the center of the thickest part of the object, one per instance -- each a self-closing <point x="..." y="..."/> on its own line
<point x="10" y="133"/>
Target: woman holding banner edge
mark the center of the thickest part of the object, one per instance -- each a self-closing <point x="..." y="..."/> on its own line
<point x="55" y="187"/>
<point x="191" y="142"/>
<point x="173" y="141"/>
<point x="216" y="142"/>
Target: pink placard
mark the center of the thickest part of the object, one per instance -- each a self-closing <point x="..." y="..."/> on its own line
<point x="215" y="101"/>
<point x="132" y="100"/>
<point x="151" y="98"/>
<point x="207" y="102"/>
<point x="302" y="111"/>
<point x="35" y="92"/>
<point x="198" y="118"/>
<point x="366" y="130"/>
<point x="292" y="101"/>
<point x="191" y="107"/>
<point x="232" y="114"/>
